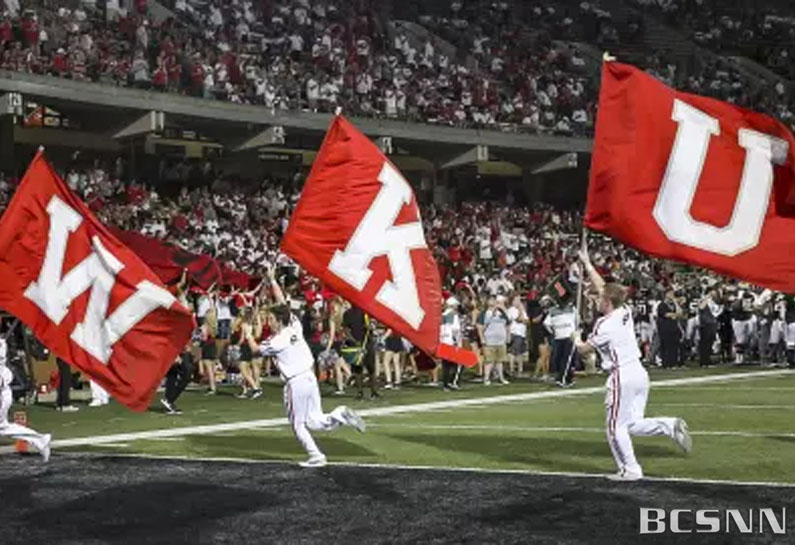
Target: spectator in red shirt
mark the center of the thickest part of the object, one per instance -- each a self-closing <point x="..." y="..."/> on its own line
<point x="174" y="73"/>
<point x="6" y="31"/>
<point x="30" y="30"/>
<point x="60" y="65"/>
<point x="197" y="76"/>
<point x="160" y="77"/>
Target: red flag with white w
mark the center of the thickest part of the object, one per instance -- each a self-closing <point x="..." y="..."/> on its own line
<point x="357" y="227"/>
<point x="693" y="179"/>
<point x="85" y="295"/>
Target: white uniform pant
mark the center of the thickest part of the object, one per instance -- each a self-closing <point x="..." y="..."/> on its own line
<point x="99" y="394"/>
<point x="302" y="402"/>
<point x="777" y="330"/>
<point x="627" y="392"/>
<point x="743" y="331"/>
<point x="645" y="332"/>
<point x="9" y="429"/>
<point x="789" y="335"/>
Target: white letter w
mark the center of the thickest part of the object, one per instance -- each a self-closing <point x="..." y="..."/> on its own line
<point x="53" y="294"/>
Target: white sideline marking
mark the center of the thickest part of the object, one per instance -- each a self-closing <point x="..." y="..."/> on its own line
<point x="400" y="409"/>
<point x="558" y="429"/>
<point x="491" y="471"/>
<point x="746" y="388"/>
<point x="720" y="406"/>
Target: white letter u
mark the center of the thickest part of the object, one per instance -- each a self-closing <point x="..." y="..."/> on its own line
<point x="685" y="165"/>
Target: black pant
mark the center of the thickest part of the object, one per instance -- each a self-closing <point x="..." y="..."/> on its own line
<point x="669" y="347"/>
<point x="178" y="377"/>
<point x="562" y="360"/>
<point x="64" y="383"/>
<point x="367" y="362"/>
<point x="706" y="338"/>
<point x="450" y="373"/>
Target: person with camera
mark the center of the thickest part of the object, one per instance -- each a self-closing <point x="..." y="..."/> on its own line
<point x="517" y="353"/>
<point x="493" y="330"/>
<point x="451" y="334"/>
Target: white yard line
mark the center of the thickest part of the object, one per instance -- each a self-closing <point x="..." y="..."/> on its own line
<point x="738" y="407"/>
<point x="403" y="409"/>
<point x="559" y="429"/>
<point x="491" y="471"/>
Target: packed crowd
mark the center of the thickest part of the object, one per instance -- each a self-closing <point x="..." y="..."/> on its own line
<point x="764" y="33"/>
<point x="503" y="71"/>
<point x="293" y="55"/>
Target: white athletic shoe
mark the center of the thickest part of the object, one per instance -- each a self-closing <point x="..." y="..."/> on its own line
<point x="314" y="461"/>
<point x="45" y="451"/>
<point x="682" y="435"/>
<point x="354" y="420"/>
<point x="95" y="403"/>
<point x="625" y="476"/>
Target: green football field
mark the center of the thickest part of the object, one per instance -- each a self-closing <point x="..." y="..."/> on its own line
<point x="741" y="421"/>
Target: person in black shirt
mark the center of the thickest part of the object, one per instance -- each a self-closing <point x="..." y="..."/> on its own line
<point x="765" y="318"/>
<point x="537" y="312"/>
<point x="668" y="315"/>
<point x="725" y="334"/>
<point x="742" y="325"/>
<point x="361" y="348"/>
<point x="642" y="317"/>
<point x="789" y="328"/>
<point x="708" y="312"/>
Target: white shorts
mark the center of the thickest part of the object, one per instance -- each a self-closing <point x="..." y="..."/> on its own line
<point x="742" y="330"/>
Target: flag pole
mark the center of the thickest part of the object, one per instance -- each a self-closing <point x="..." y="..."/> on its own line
<point x="577" y="315"/>
<point x="583" y="247"/>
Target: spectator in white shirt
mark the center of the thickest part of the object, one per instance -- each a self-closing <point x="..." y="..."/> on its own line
<point x="517" y="352"/>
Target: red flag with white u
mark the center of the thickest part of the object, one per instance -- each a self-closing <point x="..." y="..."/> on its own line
<point x="693" y="179"/>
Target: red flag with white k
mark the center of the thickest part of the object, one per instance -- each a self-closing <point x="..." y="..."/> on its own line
<point x="357" y="227"/>
<point x="85" y="295"/>
<point x="693" y="179"/>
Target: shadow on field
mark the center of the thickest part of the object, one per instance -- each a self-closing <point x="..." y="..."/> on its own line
<point x="167" y="510"/>
<point x="92" y="500"/>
